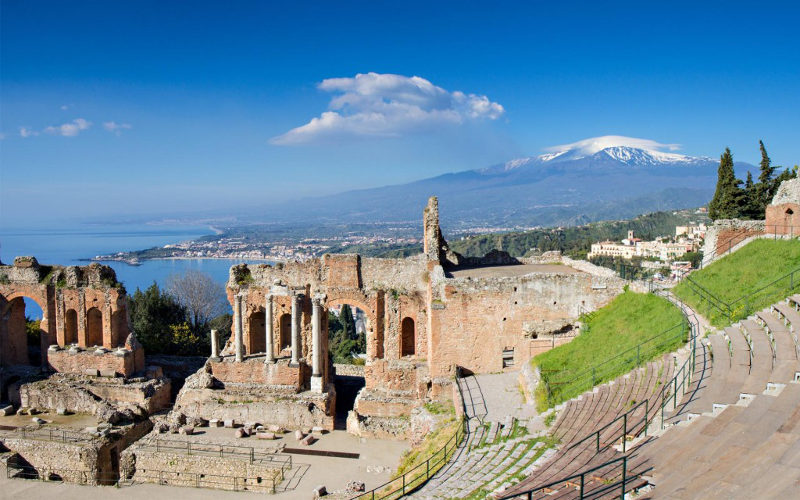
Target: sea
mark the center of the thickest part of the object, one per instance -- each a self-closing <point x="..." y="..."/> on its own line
<point x="77" y="244"/>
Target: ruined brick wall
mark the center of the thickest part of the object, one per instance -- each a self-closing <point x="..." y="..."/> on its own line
<point x="257" y="372"/>
<point x="68" y="361"/>
<point x="783" y="219"/>
<point x="84" y="305"/>
<point x="473" y="321"/>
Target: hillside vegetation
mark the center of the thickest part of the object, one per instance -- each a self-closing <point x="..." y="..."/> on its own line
<point x="575" y="241"/>
<point x="608" y="348"/>
<point x="744" y="281"/>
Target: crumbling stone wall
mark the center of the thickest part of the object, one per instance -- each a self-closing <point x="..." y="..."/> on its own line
<point x="71" y="298"/>
<point x="783" y="214"/>
<point x="474" y="321"/>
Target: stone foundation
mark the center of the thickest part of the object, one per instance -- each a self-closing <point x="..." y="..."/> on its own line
<point x="244" y="403"/>
<point x="109" y="399"/>
<point x="120" y="362"/>
<point x="255" y="371"/>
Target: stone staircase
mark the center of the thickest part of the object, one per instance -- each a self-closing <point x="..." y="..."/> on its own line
<point x="739" y="434"/>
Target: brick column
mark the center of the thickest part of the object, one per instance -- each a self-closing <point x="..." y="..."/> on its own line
<point x="237" y="326"/>
<point x="296" y="341"/>
<point x="270" y="358"/>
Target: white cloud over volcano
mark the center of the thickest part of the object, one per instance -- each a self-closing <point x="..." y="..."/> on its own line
<point x="387" y="105"/>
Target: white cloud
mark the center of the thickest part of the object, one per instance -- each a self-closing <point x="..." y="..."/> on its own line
<point x="26" y="132"/>
<point x="116" y="128"/>
<point x="387" y="105"/>
<point x="70" y="129"/>
<point x="593" y="145"/>
<point x="66" y="107"/>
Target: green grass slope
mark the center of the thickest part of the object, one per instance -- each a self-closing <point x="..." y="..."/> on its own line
<point x="633" y="329"/>
<point x="745" y="281"/>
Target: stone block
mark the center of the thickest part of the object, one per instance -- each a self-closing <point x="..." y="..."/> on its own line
<point x="265" y="435"/>
<point x="22" y="411"/>
<point x="92" y="372"/>
<point x="308" y="440"/>
<point x="38" y="421"/>
<point x="320" y="491"/>
<point x="229" y="424"/>
<point x="108" y="373"/>
<point x="7" y="410"/>
<point x="215" y="422"/>
<point x="186" y="430"/>
<point x="298" y="435"/>
<point x="61" y="411"/>
<point x="318" y="430"/>
<point x="277" y="429"/>
<point x="356" y="486"/>
<point x="239" y="433"/>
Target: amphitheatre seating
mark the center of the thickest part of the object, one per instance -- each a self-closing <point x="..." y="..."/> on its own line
<point x="599" y="410"/>
<point x="741" y="435"/>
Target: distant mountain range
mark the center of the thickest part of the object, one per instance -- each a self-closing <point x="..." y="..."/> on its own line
<point x="595" y="179"/>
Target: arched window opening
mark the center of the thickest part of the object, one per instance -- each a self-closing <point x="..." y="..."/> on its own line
<point x="21" y="333"/>
<point x="408" y="339"/>
<point x="789" y="211"/>
<point x="257" y="332"/>
<point x="71" y="327"/>
<point x="347" y="334"/>
<point x="94" y="327"/>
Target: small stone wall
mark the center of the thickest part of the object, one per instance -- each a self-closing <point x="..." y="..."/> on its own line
<point x="255" y="371"/>
<point x="107" y="399"/>
<point x="121" y="362"/>
<point x="259" y="404"/>
<point x="201" y="471"/>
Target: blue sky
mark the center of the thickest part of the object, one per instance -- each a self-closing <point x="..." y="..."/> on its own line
<point x="187" y="107"/>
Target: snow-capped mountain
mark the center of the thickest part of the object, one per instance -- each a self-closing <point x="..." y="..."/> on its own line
<point x="614" y="148"/>
<point x="606" y="177"/>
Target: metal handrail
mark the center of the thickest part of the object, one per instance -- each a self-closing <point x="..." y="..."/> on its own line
<point x="739" y="238"/>
<point x="582" y="477"/>
<point x="231" y="451"/>
<point x="684" y="374"/>
<point x="431" y="465"/>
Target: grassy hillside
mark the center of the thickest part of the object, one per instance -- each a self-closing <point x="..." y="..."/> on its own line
<point x="738" y="280"/>
<point x="608" y="346"/>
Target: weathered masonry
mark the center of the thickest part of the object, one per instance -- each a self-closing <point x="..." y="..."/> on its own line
<point x="425" y="315"/>
<point x="84" y="318"/>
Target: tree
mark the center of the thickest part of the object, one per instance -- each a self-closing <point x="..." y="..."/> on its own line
<point x="201" y="296"/>
<point x="348" y="323"/>
<point x="752" y="208"/>
<point x="728" y="198"/>
<point x="153" y="312"/>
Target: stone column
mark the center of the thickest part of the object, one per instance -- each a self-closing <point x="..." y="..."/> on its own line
<point x="316" y="345"/>
<point x="237" y="326"/>
<point x="214" y="345"/>
<point x="270" y="358"/>
<point x="296" y="341"/>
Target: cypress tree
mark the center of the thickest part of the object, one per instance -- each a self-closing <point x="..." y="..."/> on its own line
<point x="752" y="208"/>
<point x="767" y="185"/>
<point x="729" y="198"/>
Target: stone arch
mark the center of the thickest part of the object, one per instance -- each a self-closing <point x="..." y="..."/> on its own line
<point x="285" y="331"/>
<point x="408" y="337"/>
<point x="70" y="327"/>
<point x="13" y="330"/>
<point x="94" y="327"/>
<point x="356" y="299"/>
<point x="256" y="332"/>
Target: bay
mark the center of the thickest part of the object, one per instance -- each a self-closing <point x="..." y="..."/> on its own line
<point x="73" y="245"/>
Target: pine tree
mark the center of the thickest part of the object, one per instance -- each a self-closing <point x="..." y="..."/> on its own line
<point x="729" y="198"/>
<point x="752" y="208"/>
